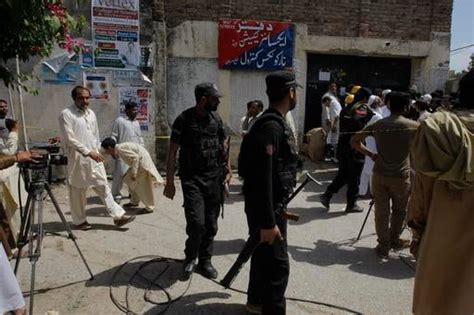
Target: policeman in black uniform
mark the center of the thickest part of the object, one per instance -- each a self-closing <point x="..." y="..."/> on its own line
<point x="199" y="134"/>
<point x="353" y="118"/>
<point x="270" y="177"/>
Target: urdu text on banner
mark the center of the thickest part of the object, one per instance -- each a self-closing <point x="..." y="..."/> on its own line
<point x="115" y="32"/>
<point x="261" y="45"/>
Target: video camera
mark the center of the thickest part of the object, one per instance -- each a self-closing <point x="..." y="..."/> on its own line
<point x="36" y="173"/>
<point x="49" y="156"/>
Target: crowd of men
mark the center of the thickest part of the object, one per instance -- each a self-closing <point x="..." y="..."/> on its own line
<point x="412" y="152"/>
<point x="424" y="162"/>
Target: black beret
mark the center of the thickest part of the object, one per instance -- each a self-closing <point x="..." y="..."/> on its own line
<point x="280" y="80"/>
<point x="206" y="89"/>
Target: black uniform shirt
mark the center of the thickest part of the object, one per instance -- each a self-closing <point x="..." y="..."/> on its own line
<point x="263" y="187"/>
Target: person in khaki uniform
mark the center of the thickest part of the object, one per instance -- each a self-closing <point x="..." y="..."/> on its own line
<point x="141" y="174"/>
<point x="441" y="209"/>
<point x="391" y="173"/>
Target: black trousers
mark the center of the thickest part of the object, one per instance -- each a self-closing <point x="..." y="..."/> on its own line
<point x="348" y="174"/>
<point x="269" y="271"/>
<point x="201" y="208"/>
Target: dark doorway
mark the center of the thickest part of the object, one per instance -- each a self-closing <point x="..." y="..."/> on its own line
<point x="371" y="72"/>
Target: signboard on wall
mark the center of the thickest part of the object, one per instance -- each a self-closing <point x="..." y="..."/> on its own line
<point x="98" y="84"/>
<point x="261" y="45"/>
<point x="139" y="95"/>
<point x="115" y="32"/>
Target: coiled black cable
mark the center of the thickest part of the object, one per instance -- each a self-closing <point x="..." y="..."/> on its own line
<point x="152" y="259"/>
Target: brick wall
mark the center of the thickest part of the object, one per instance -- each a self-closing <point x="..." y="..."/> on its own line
<point x="397" y="19"/>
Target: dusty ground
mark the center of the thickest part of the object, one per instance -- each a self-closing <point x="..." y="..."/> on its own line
<point x="327" y="265"/>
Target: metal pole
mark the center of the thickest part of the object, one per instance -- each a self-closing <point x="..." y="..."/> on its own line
<point x="12" y="107"/>
<point x="22" y="111"/>
<point x="365" y="221"/>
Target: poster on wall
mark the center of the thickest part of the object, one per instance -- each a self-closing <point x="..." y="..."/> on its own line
<point x="115" y="32"/>
<point x="98" y="84"/>
<point x="61" y="69"/>
<point x="139" y="95"/>
<point x="258" y="45"/>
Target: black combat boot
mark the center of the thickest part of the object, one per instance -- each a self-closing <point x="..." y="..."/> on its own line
<point x="188" y="268"/>
<point x="207" y="270"/>
<point x="326" y="199"/>
<point x="353" y="207"/>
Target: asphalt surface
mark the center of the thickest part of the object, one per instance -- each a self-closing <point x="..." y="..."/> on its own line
<point x="328" y="266"/>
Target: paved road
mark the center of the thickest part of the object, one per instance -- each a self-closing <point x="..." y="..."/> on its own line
<point x="327" y="265"/>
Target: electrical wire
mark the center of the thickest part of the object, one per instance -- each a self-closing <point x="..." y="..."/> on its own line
<point x="152" y="259"/>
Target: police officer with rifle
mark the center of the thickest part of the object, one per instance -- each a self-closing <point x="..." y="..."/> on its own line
<point x="267" y="162"/>
<point x="199" y="134"/>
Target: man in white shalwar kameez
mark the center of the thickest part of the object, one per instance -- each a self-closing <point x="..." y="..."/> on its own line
<point x="365" y="185"/>
<point x="9" y="189"/>
<point x="141" y="174"/>
<point x="125" y="129"/>
<point x="80" y="137"/>
<point x="11" y="299"/>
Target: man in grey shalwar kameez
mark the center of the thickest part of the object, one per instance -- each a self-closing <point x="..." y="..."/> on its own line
<point x="125" y="129"/>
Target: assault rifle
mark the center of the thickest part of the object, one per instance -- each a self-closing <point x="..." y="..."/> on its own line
<point x="254" y="239"/>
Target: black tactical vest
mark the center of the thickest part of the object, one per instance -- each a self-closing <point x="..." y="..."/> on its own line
<point x="284" y="177"/>
<point x="201" y="144"/>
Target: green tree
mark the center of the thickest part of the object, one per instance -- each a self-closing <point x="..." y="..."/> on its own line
<point x="32" y="28"/>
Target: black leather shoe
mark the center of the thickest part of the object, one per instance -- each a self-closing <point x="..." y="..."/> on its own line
<point x="207" y="270"/>
<point x="354" y="208"/>
<point x="325" y="199"/>
<point x="188" y="268"/>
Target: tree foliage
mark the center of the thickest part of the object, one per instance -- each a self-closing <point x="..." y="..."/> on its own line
<point x="32" y="28"/>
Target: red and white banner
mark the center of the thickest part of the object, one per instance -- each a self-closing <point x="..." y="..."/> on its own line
<point x="249" y="44"/>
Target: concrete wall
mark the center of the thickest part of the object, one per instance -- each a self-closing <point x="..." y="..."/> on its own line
<point x="42" y="110"/>
<point x="184" y="37"/>
<point x="183" y="75"/>
<point x="192" y="57"/>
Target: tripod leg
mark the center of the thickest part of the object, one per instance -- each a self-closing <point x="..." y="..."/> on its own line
<point x="24" y="228"/>
<point x="32" y="283"/>
<point x="68" y="228"/>
<point x="35" y="253"/>
<point x="365" y="220"/>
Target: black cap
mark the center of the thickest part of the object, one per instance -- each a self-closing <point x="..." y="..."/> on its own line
<point x="364" y="92"/>
<point x="280" y="80"/>
<point x="206" y="89"/>
<point x="130" y="105"/>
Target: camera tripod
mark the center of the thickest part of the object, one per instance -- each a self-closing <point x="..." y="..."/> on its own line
<point x="31" y="230"/>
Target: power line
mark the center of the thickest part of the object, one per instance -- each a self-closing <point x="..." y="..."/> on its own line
<point x="460" y="48"/>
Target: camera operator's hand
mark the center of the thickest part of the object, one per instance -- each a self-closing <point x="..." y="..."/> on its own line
<point x="96" y="156"/>
<point x="27" y="156"/>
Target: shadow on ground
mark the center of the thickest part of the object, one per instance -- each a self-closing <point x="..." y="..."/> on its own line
<point x="146" y="284"/>
<point x="228" y="247"/>
<point x="54" y="227"/>
<point x="309" y="214"/>
<point x="190" y="304"/>
<point x="358" y="259"/>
